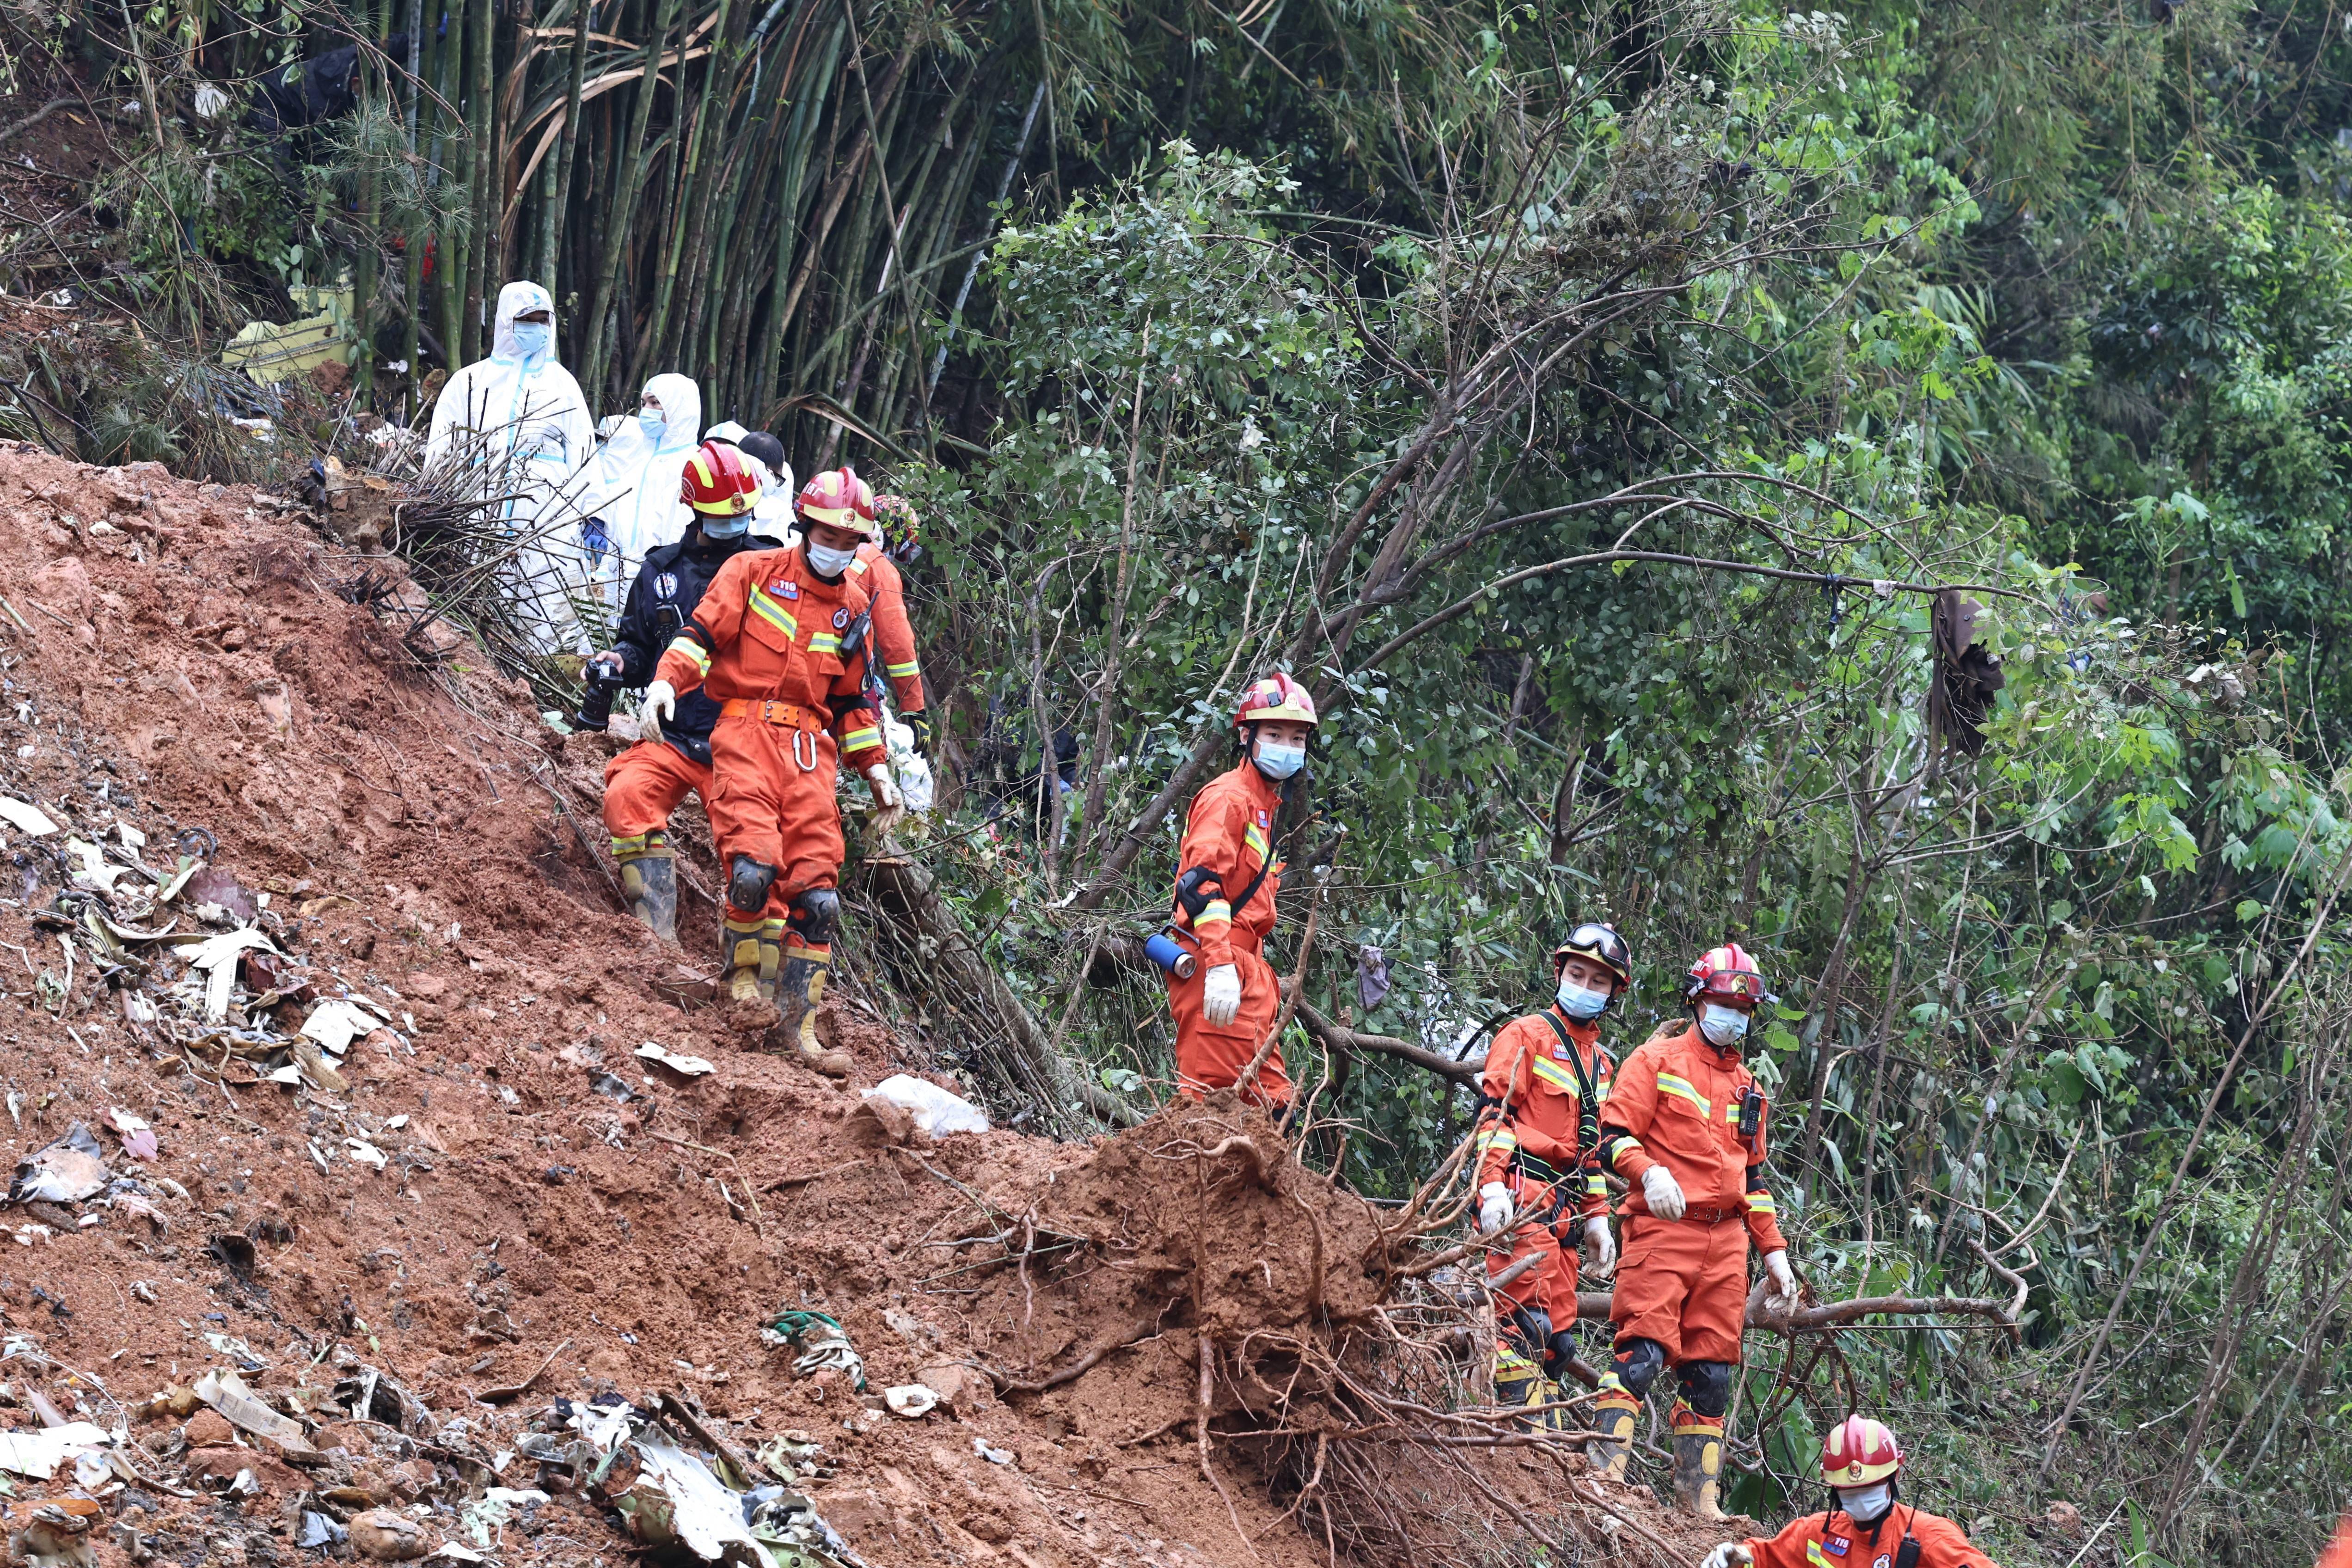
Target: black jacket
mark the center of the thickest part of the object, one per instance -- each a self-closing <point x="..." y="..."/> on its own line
<point x="661" y="601"/>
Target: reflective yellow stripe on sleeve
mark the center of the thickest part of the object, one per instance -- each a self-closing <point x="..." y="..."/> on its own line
<point x="906" y="671"/>
<point x="1214" y="910"/>
<point x="859" y="740"/>
<point x="693" y="650"/>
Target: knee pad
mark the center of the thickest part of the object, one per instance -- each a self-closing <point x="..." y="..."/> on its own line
<point x="815" y="914"/>
<point x="1638" y="1365"/>
<point x="1705" y="1386"/>
<point x="748" y="882"/>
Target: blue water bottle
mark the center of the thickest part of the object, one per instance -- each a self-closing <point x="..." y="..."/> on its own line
<point x="1168" y="954"/>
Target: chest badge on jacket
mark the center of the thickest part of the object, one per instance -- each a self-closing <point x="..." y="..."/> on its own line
<point x="785" y="589"/>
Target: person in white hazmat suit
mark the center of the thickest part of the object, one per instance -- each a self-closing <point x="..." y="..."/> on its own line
<point x="775" y="514"/>
<point x="638" y="478"/>
<point x="519" y="418"/>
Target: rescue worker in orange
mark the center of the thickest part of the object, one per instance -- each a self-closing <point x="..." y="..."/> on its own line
<point x="878" y="559"/>
<point x="1226" y="882"/>
<point x="1539" y="1161"/>
<point x="782" y="640"/>
<point x="1684" y="1128"/>
<point x="2339" y="1552"/>
<point x="643" y="784"/>
<point x="1870" y="1525"/>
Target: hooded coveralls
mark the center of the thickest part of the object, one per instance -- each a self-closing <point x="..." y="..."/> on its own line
<point x="638" y="484"/>
<point x="519" y="419"/>
<point x="1230" y="832"/>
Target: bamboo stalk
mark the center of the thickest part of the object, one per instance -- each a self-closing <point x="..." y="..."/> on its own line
<point x="626" y="188"/>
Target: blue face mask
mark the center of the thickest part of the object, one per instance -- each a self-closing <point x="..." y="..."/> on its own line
<point x="726" y="527"/>
<point x="1723" y="1026"/>
<point x="653" y="424"/>
<point x="1279" y="763"/>
<point x="532" y="337"/>
<point x="827" y="563"/>
<point x="1580" y="1001"/>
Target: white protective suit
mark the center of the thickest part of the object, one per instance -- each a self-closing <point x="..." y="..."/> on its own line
<point x="774" y="514"/>
<point x="637" y="483"/>
<point x="522" y="422"/>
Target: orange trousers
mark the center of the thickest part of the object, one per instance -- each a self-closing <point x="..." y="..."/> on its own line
<point x="1211" y="1056"/>
<point x="771" y="797"/>
<point x="645" y="783"/>
<point x="1683" y="1283"/>
<point x="1549" y="1284"/>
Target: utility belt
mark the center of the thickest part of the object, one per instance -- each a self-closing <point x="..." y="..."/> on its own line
<point x="805" y="723"/>
<point x="783" y="715"/>
<point x="1710" y="1214"/>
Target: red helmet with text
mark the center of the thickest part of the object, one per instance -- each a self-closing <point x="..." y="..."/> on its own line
<point x="1726" y="972"/>
<point x="1277" y="697"/>
<point x="1860" y="1452"/>
<point x="718" y="482"/>
<point x="838" y="497"/>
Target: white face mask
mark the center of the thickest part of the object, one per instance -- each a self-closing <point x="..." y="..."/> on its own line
<point x="829" y="563"/>
<point x="1867" y="1505"/>
<point x="1279" y="762"/>
<point x="1722" y="1026"/>
<point x="1580" y="1001"/>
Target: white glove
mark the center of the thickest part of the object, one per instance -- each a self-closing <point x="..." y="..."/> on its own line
<point x="1782" y="1298"/>
<point x="1494" y="1207"/>
<point x="1730" y="1554"/>
<point x="660" y="707"/>
<point x="1664" y="1193"/>
<point x="1600" y="1247"/>
<point x="889" y="805"/>
<point x="1221" y="995"/>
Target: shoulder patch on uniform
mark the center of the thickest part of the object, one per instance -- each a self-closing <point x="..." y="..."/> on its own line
<point x="666" y="585"/>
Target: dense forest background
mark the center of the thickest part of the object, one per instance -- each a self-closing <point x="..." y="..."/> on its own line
<point x="1589" y="403"/>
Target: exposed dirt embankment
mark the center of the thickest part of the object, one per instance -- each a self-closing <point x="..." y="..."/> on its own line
<point x="492" y="1188"/>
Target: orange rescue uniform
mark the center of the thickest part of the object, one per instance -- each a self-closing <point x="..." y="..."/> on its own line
<point x="1538" y="1148"/>
<point x="642" y="786"/>
<point x="1684" y="1283"/>
<point x="894" y="633"/>
<point x="766" y="643"/>
<point x="1230" y="832"/>
<point x="2339" y="1551"/>
<point x="1833" y="1541"/>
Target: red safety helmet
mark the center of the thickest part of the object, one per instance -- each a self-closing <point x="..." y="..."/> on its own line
<point x="900" y="528"/>
<point x="1860" y="1452"/>
<point x="839" y="497"/>
<point x="718" y="482"/>
<point x="1276" y="698"/>
<point x="1726" y="971"/>
<point x="1599" y="941"/>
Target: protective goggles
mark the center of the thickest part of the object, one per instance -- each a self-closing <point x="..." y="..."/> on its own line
<point x="1744" y="983"/>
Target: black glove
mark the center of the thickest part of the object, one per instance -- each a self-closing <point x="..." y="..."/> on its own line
<point x="1558" y="1351"/>
<point x="919" y="725"/>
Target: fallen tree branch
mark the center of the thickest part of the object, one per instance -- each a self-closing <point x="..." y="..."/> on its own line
<point x="1592" y="1306"/>
<point x="1340" y="1038"/>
